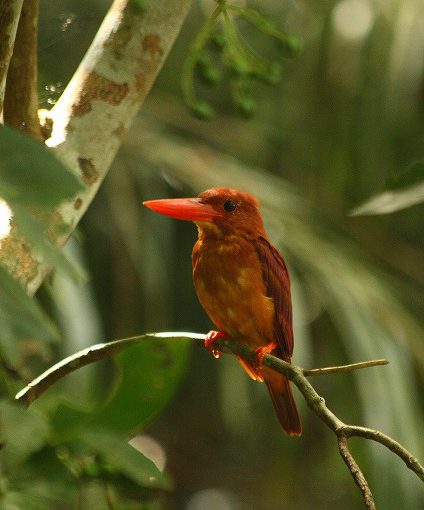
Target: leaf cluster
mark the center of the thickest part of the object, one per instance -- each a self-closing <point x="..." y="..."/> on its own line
<point x="33" y="183"/>
<point x="220" y="50"/>
<point x="62" y="450"/>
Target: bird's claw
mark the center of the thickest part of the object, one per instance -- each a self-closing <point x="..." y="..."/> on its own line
<point x="210" y="339"/>
<point x="260" y="354"/>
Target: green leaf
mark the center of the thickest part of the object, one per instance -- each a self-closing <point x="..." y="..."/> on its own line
<point x="126" y="459"/>
<point x="202" y="110"/>
<point x="31" y="175"/>
<point x="20" y="318"/>
<point x="150" y="369"/>
<point x="149" y="373"/>
<point x="67" y="420"/>
<point x="56" y="481"/>
<point x="23" y="432"/>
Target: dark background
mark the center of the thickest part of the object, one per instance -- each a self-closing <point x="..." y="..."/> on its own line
<point x="347" y="115"/>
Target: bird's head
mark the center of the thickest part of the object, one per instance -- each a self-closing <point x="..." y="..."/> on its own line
<point x="215" y="211"/>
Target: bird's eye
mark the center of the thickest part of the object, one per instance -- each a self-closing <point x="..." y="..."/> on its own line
<point x="230" y="206"/>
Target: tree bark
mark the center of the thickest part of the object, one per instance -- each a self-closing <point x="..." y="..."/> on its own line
<point x="91" y="118"/>
<point x="10" y="11"/>
<point x="20" y="108"/>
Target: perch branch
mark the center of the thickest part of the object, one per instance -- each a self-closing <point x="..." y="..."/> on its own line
<point x="296" y="374"/>
<point x="10" y="11"/>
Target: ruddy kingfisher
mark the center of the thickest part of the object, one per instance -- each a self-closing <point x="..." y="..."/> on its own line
<point x="243" y="284"/>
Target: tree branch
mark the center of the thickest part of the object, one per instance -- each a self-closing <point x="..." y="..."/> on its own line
<point x="344" y="368"/>
<point x="96" y="109"/>
<point x="10" y="11"/>
<point x="296" y="374"/>
<point x="377" y="436"/>
<point x="21" y="96"/>
<point x="356" y="472"/>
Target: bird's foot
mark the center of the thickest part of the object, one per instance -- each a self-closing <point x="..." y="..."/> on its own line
<point x="210" y="339"/>
<point x="260" y="354"/>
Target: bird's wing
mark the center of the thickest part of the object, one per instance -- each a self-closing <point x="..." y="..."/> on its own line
<point x="277" y="284"/>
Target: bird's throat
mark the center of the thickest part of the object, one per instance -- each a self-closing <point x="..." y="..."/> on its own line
<point x="207" y="230"/>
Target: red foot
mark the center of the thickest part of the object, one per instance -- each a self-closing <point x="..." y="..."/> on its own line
<point x="210" y="343"/>
<point x="260" y="353"/>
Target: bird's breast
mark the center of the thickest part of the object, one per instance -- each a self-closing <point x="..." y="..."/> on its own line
<point x="228" y="279"/>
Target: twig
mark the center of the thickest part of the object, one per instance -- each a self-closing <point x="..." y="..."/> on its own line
<point x="377" y="436"/>
<point x="356" y="472"/>
<point x="10" y="11"/>
<point x="344" y="368"/>
<point x="21" y="96"/>
<point x="82" y="358"/>
<point x="85" y="357"/>
<point x="296" y="374"/>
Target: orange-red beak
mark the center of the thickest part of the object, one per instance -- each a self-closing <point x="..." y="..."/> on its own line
<point x="189" y="209"/>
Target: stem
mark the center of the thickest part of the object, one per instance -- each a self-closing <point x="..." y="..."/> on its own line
<point x="196" y="48"/>
<point x="10" y="11"/>
<point x="344" y="368"/>
<point x="356" y="472"/>
<point x="21" y="96"/>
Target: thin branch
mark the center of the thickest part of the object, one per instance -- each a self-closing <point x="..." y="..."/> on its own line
<point x="388" y="442"/>
<point x="10" y="11"/>
<point x="82" y="358"/>
<point x="21" y="96"/>
<point x="356" y="472"/>
<point x="296" y="374"/>
<point x="87" y="356"/>
<point x="344" y="368"/>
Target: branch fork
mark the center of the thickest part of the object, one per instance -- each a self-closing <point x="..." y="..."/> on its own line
<point x="298" y="375"/>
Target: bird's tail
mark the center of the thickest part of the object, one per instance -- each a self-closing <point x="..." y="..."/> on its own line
<point x="282" y="397"/>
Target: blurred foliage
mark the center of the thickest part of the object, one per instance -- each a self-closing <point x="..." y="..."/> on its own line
<point x="346" y="119"/>
<point x="405" y="190"/>
<point x="220" y="34"/>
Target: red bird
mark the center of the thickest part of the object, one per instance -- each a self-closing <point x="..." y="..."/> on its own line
<point x="243" y="284"/>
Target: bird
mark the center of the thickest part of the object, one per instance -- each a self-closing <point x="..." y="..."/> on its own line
<point x="243" y="284"/>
